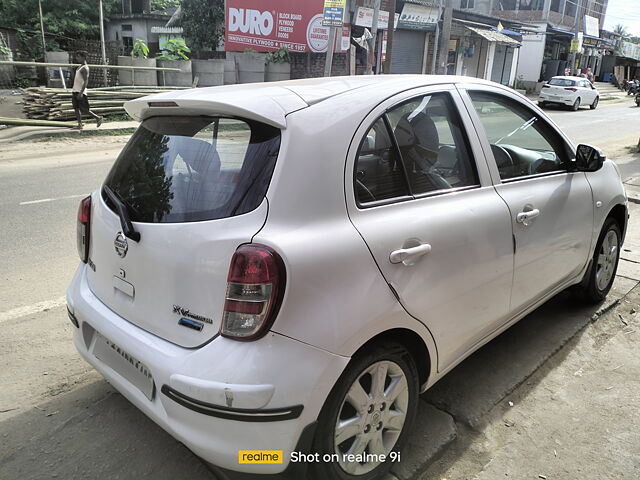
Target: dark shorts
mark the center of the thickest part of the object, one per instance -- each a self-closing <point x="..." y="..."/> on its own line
<point x="80" y="102"/>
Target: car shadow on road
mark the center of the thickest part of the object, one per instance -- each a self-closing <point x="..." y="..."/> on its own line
<point x="466" y="395"/>
<point x="92" y="432"/>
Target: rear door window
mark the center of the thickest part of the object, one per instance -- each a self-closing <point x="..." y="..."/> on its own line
<point x="562" y="82"/>
<point x="186" y="169"/>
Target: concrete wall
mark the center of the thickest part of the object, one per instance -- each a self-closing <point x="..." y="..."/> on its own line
<point x="531" y="54"/>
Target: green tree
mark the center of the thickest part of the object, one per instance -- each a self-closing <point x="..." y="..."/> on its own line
<point x="160" y="5"/>
<point x="203" y="23"/>
<point x="621" y="30"/>
<point x="71" y="19"/>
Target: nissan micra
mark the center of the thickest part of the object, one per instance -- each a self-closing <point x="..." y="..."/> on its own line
<point x="285" y="267"/>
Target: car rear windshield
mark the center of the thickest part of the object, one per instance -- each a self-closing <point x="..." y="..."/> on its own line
<point x="562" y="82"/>
<point x="188" y="169"/>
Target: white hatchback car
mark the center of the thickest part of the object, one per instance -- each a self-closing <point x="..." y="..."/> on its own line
<point x="570" y="91"/>
<point x="285" y="267"/>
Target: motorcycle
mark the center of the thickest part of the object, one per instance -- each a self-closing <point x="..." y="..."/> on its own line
<point x="633" y="87"/>
<point x="638" y="99"/>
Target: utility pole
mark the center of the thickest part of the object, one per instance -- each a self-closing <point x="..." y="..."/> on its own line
<point x="104" y="51"/>
<point x="371" y="58"/>
<point x="576" y="37"/>
<point x="392" y="20"/>
<point x="44" y="44"/>
<point x="446" y="36"/>
<point x="437" y="40"/>
<point x="328" y="62"/>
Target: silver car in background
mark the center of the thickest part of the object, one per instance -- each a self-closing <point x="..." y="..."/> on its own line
<point x="572" y="92"/>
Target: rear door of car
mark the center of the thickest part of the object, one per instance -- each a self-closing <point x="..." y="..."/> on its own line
<point x="588" y="92"/>
<point x="419" y="192"/>
<point x="551" y="207"/>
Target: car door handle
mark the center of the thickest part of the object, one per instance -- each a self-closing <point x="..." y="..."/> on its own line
<point x="524" y="217"/>
<point x="409" y="255"/>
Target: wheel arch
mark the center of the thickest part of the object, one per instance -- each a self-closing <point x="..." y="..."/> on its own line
<point x="619" y="214"/>
<point x="414" y="344"/>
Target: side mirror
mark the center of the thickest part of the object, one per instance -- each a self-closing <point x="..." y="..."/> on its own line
<point x="589" y="159"/>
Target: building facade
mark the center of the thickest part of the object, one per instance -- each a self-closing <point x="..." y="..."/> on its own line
<point x="549" y="30"/>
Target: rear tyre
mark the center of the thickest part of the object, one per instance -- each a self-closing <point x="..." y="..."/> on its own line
<point x="576" y="105"/>
<point x="594" y="105"/>
<point x="369" y="411"/>
<point x="542" y="104"/>
<point x="604" y="264"/>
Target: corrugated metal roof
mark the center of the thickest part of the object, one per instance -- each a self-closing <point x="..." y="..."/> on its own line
<point x="493" y="36"/>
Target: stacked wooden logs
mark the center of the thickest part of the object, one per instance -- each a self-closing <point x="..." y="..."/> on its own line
<point x="55" y="103"/>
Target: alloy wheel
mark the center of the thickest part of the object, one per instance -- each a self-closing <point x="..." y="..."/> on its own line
<point x="372" y="417"/>
<point x="607" y="259"/>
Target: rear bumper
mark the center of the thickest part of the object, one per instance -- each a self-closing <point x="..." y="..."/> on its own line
<point x="557" y="100"/>
<point x="218" y="399"/>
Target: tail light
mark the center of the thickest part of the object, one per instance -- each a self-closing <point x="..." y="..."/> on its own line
<point x="84" y="223"/>
<point x="255" y="287"/>
<point x="572" y="89"/>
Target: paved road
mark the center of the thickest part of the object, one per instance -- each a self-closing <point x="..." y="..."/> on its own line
<point x="43" y="384"/>
<point x="612" y="126"/>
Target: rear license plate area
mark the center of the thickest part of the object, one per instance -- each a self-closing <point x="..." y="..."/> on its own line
<point x="125" y="364"/>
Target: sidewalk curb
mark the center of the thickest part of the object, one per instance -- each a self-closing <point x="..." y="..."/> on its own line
<point x="67" y="134"/>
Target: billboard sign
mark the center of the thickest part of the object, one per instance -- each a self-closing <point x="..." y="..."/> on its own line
<point x="591" y="26"/>
<point x="295" y="25"/>
<point x="418" y="17"/>
<point x="364" y="18"/>
<point x="333" y="13"/>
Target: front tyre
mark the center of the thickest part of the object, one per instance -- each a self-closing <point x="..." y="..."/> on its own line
<point x="367" y="415"/>
<point x="594" y="105"/>
<point x="576" y="105"/>
<point x="605" y="263"/>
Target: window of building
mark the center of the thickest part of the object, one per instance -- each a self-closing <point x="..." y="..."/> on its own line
<point x="570" y="9"/>
<point x="531" y="4"/>
<point x="127" y="28"/>
<point x="467" y="4"/>
<point x="506" y="4"/>
<point x="556" y="6"/>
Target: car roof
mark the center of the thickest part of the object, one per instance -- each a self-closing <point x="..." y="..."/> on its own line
<point x="567" y="77"/>
<point x="271" y="102"/>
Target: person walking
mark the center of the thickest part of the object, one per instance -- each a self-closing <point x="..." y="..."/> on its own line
<point x="79" y="98"/>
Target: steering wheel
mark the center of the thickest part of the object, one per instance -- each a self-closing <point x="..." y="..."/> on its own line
<point x="367" y="191"/>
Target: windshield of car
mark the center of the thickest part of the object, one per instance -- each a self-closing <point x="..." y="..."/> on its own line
<point x="562" y="82"/>
<point x="185" y="169"/>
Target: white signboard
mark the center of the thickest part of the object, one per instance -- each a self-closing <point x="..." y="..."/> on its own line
<point x="418" y="16"/>
<point x="591" y="26"/>
<point x="364" y="18"/>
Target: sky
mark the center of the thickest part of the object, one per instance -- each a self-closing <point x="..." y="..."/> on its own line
<point x="626" y="12"/>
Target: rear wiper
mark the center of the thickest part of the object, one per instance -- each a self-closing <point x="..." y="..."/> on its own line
<point x="125" y="221"/>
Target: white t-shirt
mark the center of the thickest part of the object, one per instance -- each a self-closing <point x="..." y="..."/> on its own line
<point x="78" y="81"/>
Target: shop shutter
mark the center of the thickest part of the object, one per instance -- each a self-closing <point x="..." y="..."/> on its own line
<point x="408" y="51"/>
